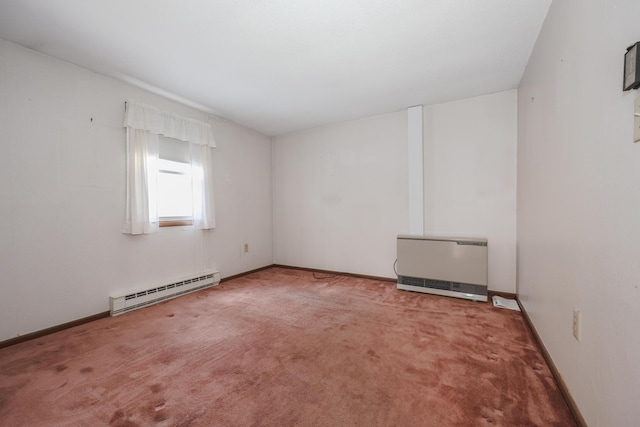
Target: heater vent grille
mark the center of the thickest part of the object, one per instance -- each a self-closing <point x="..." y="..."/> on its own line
<point x="135" y="300"/>
<point x="424" y="283"/>
<point x="454" y="267"/>
<point x="442" y="285"/>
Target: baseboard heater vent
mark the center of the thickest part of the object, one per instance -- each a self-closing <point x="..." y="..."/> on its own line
<point x="446" y="266"/>
<point x="134" y="300"/>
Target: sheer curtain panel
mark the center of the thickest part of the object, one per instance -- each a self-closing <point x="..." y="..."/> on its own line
<point x="142" y="157"/>
<point x="143" y="124"/>
<point x="201" y="172"/>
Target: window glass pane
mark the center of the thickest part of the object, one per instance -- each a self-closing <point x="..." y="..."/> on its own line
<point x="174" y="189"/>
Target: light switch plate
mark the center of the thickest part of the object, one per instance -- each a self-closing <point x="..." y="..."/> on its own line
<point x="636" y="121"/>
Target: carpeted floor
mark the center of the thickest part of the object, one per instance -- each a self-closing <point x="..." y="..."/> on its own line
<point x="283" y="348"/>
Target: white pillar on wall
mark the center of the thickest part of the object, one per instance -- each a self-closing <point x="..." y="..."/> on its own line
<point x="416" y="173"/>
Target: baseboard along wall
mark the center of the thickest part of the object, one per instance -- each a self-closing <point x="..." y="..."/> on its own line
<point x="52" y="330"/>
<point x="341" y="273"/>
<point x="235" y="276"/>
<point x="573" y="407"/>
<point x="97" y="316"/>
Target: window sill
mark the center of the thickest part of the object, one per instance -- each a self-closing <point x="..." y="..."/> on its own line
<point x="175" y="222"/>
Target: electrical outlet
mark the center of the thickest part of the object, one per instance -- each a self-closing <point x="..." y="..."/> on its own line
<point x="245" y="248"/>
<point x="576" y="324"/>
<point x="636" y="120"/>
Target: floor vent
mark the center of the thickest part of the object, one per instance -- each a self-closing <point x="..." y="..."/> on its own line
<point x="132" y="301"/>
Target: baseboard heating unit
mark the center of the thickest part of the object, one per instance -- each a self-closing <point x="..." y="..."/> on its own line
<point x="134" y="300"/>
<point x="455" y="267"/>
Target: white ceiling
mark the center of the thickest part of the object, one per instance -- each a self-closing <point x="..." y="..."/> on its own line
<point x="279" y="66"/>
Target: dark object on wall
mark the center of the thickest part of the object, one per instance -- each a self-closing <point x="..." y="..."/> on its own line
<point x="632" y="67"/>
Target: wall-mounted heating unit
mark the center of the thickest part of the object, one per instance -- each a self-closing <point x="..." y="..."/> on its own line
<point x="443" y="266"/>
<point x="134" y="300"/>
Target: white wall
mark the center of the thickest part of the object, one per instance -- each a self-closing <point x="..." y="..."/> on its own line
<point x="340" y="195"/>
<point x="470" y="177"/>
<point x="62" y="192"/>
<point x="579" y="204"/>
<point x="341" y="191"/>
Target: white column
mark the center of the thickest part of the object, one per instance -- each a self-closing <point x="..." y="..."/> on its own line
<point x="416" y="173"/>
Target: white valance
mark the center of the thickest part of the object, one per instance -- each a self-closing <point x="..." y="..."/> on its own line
<point x="145" y="117"/>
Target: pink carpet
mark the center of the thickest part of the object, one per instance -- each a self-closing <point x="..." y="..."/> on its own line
<point x="281" y="348"/>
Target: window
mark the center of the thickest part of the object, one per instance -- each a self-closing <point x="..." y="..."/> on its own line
<point x="169" y="170"/>
<point x="174" y="183"/>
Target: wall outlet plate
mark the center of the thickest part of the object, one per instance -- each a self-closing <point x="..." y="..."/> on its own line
<point x="636" y="120"/>
<point x="576" y="324"/>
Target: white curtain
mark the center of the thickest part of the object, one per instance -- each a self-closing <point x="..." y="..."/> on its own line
<point x="143" y="124"/>
<point x="201" y="173"/>
<point x="151" y="119"/>
<point x="142" y="155"/>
